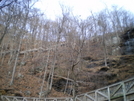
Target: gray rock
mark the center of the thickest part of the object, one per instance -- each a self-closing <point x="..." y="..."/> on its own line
<point x="20" y="75"/>
<point x="27" y="93"/>
<point x="23" y="63"/>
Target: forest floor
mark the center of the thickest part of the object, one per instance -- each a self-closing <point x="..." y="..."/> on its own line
<point x="93" y="76"/>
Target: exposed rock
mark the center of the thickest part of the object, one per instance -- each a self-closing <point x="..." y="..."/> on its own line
<point x="35" y="70"/>
<point x="18" y="94"/>
<point x="45" y="93"/>
<point x="104" y="69"/>
<point x="111" y="76"/>
<point x="59" y="84"/>
<point x="88" y="58"/>
<point x="113" y="63"/>
<point x="20" y="75"/>
<point x="27" y="93"/>
<point x="38" y="68"/>
<point x="23" y="63"/>
<point x="127" y="43"/>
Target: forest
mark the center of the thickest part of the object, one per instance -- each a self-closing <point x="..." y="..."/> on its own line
<point x="40" y="57"/>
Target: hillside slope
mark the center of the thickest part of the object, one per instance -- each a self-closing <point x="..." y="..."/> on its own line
<point x="93" y="75"/>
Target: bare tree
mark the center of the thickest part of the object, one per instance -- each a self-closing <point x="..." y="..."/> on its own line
<point x="22" y="28"/>
<point x="103" y="29"/>
<point x="4" y="3"/>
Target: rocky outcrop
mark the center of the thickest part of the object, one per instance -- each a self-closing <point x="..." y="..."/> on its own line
<point x="127" y="43"/>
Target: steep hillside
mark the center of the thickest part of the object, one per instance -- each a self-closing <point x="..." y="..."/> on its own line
<point x="92" y="75"/>
<point x="61" y="68"/>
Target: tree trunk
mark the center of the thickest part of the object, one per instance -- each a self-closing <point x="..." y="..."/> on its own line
<point x="15" y="64"/>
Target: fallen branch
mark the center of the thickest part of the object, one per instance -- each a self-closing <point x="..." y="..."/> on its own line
<point x="32" y="50"/>
<point x="64" y="78"/>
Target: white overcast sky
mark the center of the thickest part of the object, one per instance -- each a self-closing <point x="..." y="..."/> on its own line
<point x="51" y="8"/>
